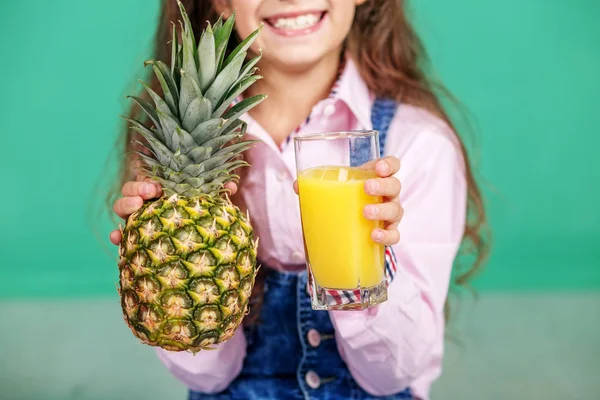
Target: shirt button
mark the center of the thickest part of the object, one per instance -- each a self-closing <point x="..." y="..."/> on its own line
<point x="312" y="380"/>
<point x="314" y="337"/>
<point x="329" y="110"/>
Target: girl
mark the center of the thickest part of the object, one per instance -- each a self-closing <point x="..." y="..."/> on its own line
<point x="335" y="65"/>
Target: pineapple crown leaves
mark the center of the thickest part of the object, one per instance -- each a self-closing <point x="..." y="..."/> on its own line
<point x="193" y="133"/>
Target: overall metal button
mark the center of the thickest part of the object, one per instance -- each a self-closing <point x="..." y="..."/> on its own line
<point x="314" y="337"/>
<point x="312" y="380"/>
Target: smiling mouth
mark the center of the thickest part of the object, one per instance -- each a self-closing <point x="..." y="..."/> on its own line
<point x="296" y="22"/>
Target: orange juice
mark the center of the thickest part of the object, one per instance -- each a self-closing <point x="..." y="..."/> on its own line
<point x="337" y="235"/>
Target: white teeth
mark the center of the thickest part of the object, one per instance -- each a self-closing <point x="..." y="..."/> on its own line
<point x="300" y="22"/>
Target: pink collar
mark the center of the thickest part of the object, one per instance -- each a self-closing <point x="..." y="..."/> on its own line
<point x="349" y="88"/>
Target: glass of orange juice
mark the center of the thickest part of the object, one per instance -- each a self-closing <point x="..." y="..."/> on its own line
<point x="346" y="268"/>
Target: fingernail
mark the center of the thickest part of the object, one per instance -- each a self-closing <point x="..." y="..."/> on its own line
<point x="147" y="189"/>
<point x="372" y="210"/>
<point x="372" y="186"/>
<point x="379" y="236"/>
<point x="383" y="167"/>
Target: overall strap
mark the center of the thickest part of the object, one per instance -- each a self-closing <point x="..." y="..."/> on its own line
<point x="381" y="116"/>
<point x="382" y="113"/>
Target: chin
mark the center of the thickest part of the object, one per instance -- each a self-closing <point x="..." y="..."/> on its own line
<point x="295" y="60"/>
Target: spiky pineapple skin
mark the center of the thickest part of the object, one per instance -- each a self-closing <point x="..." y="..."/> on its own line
<point x="187" y="268"/>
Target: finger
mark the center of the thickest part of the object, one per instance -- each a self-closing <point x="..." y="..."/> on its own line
<point x="392" y="226"/>
<point x="232" y="187"/>
<point x="387" y="187"/>
<point x="145" y="190"/>
<point x="126" y="206"/>
<point x="390" y="211"/>
<point x="296" y="187"/>
<point x="115" y="237"/>
<point x="387" y="166"/>
<point x="369" y="165"/>
<point x="145" y="178"/>
<point x="397" y="222"/>
<point x="384" y="167"/>
<point x="386" y="238"/>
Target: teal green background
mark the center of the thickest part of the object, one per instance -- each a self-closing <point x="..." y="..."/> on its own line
<point x="527" y="72"/>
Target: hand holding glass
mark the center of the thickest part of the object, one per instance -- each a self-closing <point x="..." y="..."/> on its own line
<point x="346" y="267"/>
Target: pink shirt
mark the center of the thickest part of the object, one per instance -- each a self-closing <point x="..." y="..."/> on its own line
<point x="400" y="342"/>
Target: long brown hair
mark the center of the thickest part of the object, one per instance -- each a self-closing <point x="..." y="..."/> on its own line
<point x="392" y="61"/>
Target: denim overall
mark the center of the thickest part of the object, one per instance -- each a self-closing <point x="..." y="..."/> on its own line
<point x="291" y="351"/>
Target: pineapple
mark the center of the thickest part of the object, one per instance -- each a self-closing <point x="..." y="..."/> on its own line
<point x="187" y="261"/>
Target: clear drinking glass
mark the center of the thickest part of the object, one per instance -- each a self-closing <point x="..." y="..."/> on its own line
<point x="346" y="267"/>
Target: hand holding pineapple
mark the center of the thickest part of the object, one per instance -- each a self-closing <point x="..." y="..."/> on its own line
<point x="135" y="193"/>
